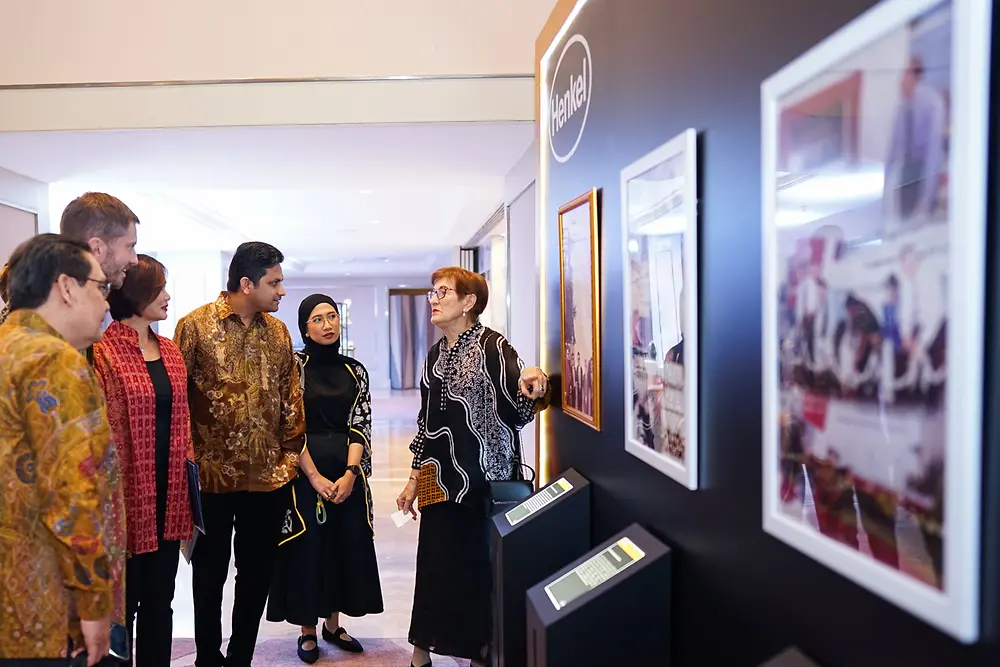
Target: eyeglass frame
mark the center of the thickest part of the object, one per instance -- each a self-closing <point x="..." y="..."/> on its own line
<point x="319" y="319"/>
<point x="103" y="285"/>
<point x="431" y="293"/>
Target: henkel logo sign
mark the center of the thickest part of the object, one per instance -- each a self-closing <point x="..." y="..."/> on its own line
<point x="569" y="102"/>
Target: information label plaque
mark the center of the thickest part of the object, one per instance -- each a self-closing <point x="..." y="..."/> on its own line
<point x="538" y="501"/>
<point x="593" y="572"/>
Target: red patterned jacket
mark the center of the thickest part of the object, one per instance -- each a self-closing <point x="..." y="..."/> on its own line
<point x="132" y="415"/>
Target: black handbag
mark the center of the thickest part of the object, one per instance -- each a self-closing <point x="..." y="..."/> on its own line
<point x="505" y="495"/>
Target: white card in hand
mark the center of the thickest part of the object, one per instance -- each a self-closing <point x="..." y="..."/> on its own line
<point x="400" y="518"/>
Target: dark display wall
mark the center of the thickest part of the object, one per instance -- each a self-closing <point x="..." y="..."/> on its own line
<point x="741" y="596"/>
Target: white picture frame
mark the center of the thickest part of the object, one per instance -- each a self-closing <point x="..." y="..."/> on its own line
<point x="654" y="224"/>
<point x="948" y="598"/>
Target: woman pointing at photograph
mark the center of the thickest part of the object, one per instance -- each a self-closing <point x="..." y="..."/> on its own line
<point x="474" y="400"/>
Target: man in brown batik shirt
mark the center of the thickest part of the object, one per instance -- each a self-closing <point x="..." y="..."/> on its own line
<point x="247" y="424"/>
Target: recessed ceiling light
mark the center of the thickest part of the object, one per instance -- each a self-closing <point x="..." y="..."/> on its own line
<point x="348" y="273"/>
<point x="386" y="259"/>
<point x="376" y="222"/>
<point x="366" y="192"/>
<point x="402" y="285"/>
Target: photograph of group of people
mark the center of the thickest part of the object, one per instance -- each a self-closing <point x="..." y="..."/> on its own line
<point x="655" y="227"/>
<point x="581" y="363"/>
<point x="862" y="222"/>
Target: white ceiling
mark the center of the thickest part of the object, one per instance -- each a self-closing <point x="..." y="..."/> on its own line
<point x="359" y="199"/>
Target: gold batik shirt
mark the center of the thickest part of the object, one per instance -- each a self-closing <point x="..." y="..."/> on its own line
<point x="58" y="556"/>
<point x="247" y="418"/>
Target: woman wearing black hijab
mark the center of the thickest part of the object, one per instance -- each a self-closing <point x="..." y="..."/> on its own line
<point x="327" y="563"/>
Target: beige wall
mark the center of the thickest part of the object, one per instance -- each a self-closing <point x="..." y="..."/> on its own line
<point x="16" y="226"/>
<point x="142" y="40"/>
<point x="25" y="196"/>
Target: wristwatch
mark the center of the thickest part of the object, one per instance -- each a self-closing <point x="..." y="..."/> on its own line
<point x="355" y="469"/>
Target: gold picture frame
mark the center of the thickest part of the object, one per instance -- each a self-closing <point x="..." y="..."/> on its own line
<point x="581" y="377"/>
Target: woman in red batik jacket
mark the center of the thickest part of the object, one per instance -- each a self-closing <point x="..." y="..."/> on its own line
<point x="145" y="383"/>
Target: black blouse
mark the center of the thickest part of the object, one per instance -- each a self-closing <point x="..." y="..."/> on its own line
<point x="164" y="410"/>
<point x="337" y="399"/>
<point x="329" y="394"/>
<point x="470" y="416"/>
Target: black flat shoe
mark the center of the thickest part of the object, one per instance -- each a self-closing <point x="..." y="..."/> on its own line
<point x="429" y="664"/>
<point x="312" y="655"/>
<point x="337" y="638"/>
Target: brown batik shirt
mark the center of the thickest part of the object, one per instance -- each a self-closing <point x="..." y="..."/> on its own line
<point x="247" y="417"/>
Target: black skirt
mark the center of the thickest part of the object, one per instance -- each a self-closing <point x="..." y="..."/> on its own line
<point x="331" y="567"/>
<point x="452" y="612"/>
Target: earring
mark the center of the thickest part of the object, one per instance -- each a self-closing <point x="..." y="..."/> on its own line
<point x="465" y="311"/>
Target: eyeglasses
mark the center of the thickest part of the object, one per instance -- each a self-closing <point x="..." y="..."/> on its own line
<point x="330" y="317"/>
<point x="103" y="286"/>
<point x="440" y="293"/>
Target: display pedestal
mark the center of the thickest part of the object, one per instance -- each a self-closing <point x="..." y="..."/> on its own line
<point x="531" y="541"/>
<point x="610" y="607"/>
<point x="791" y="657"/>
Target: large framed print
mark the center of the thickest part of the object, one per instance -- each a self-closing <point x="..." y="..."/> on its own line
<point x="874" y="219"/>
<point x="660" y="302"/>
<point x="580" y="312"/>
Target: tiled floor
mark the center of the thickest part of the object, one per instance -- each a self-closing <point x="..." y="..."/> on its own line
<point x="394" y="425"/>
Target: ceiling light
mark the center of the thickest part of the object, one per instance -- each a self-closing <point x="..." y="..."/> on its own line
<point x="386" y="260"/>
<point x="376" y="222"/>
<point x="366" y="192"/>
<point x="402" y="285"/>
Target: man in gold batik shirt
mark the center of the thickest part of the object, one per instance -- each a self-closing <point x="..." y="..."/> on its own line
<point x="248" y="425"/>
<point x="56" y="458"/>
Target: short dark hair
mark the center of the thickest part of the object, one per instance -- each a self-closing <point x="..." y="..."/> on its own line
<point x="143" y="283"/>
<point x="96" y="214"/>
<point x="466" y="282"/>
<point x="38" y="262"/>
<point x="252" y="260"/>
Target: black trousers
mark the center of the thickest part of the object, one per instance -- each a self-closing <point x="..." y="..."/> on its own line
<point x="256" y="518"/>
<point x="149" y="592"/>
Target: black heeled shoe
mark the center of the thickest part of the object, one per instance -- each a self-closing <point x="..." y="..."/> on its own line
<point x="337" y="639"/>
<point x="312" y="655"/>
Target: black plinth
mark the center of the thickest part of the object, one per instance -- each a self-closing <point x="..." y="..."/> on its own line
<point x="610" y="607"/>
<point x="530" y="541"/>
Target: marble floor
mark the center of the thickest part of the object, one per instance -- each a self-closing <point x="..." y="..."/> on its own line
<point x="393" y="427"/>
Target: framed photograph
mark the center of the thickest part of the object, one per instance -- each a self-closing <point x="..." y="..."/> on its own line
<point x="660" y="275"/>
<point x="874" y="229"/>
<point x="580" y="311"/>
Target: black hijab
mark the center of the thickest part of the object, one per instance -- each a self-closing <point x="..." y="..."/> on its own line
<point x="317" y="351"/>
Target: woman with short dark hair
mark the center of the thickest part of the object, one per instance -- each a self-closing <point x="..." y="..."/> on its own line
<point x="474" y="400"/>
<point x="145" y="383"/>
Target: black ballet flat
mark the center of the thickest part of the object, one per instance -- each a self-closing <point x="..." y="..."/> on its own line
<point x="312" y="655"/>
<point x="337" y="639"/>
<point x="429" y="664"/>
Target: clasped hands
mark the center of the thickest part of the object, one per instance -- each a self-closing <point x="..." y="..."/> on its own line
<point x="334" y="492"/>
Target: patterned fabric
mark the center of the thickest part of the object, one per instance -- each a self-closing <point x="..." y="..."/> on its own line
<point x="131" y="401"/>
<point x="470" y="417"/>
<point x="247" y="419"/>
<point x="360" y="427"/>
<point x="57" y="471"/>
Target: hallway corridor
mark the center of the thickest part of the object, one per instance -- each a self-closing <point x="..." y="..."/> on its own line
<point x="394" y="423"/>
